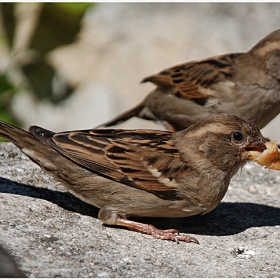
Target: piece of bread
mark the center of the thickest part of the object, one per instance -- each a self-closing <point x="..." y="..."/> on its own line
<point x="269" y="158"/>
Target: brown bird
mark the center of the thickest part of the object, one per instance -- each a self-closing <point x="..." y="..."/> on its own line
<point x="243" y="84"/>
<point x="144" y="173"/>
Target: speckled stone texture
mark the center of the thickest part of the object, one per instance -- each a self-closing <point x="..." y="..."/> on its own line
<point x="50" y="233"/>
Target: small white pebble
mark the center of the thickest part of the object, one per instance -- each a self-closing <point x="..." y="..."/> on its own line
<point x="250" y="252"/>
<point x="243" y="253"/>
<point x="126" y="260"/>
<point x="103" y="274"/>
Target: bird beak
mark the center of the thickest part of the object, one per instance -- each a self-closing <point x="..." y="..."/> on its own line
<point x="260" y="145"/>
<point x="255" y="149"/>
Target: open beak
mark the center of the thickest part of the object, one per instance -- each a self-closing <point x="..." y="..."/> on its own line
<point x="256" y="146"/>
<point x="255" y="149"/>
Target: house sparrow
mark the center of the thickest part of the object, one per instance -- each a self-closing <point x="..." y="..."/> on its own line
<point x="243" y="84"/>
<point x="144" y="173"/>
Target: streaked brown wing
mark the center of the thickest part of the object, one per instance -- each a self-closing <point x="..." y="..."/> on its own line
<point x="195" y="80"/>
<point x="144" y="159"/>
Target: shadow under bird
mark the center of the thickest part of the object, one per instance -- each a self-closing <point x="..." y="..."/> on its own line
<point x="244" y="84"/>
<point x="144" y="173"/>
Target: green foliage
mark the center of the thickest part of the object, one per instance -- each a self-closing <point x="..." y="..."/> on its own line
<point x="6" y="85"/>
<point x="75" y="9"/>
<point x="58" y="24"/>
<point x="7" y="91"/>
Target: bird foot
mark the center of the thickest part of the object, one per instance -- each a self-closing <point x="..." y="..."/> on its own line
<point x="168" y="234"/>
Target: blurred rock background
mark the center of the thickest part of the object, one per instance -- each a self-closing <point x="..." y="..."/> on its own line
<point x="73" y="66"/>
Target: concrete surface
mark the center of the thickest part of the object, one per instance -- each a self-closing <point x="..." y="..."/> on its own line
<point x="50" y="233"/>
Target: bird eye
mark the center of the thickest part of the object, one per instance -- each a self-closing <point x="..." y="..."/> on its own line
<point x="236" y="135"/>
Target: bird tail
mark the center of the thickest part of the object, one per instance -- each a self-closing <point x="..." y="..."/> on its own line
<point x="20" y="137"/>
<point x="133" y="112"/>
<point x="32" y="143"/>
<point x="14" y="134"/>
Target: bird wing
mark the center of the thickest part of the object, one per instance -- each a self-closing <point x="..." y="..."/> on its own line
<point x="144" y="159"/>
<point x="197" y="79"/>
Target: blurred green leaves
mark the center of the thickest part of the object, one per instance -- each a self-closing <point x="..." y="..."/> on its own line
<point x="7" y="91"/>
<point x="76" y="9"/>
<point x="58" y="24"/>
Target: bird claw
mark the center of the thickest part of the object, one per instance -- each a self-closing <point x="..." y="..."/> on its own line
<point x="171" y="234"/>
<point x="177" y="238"/>
<point x="167" y="234"/>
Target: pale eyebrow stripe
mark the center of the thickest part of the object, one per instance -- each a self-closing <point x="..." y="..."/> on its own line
<point x="218" y="128"/>
<point x="267" y="48"/>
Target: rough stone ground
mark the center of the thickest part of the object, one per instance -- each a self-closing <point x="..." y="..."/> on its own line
<point x="50" y="233"/>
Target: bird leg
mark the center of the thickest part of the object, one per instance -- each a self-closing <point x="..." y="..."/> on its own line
<point x="168" y="234"/>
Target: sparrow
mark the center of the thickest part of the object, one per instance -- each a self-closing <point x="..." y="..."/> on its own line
<point x="244" y="84"/>
<point x="144" y="173"/>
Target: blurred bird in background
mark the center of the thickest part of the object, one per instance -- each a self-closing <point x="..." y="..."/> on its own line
<point x="244" y="84"/>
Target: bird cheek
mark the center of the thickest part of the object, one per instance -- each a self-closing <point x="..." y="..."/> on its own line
<point x="245" y="156"/>
<point x="206" y="148"/>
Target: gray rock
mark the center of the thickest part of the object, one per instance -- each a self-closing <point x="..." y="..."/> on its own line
<point x="50" y="233"/>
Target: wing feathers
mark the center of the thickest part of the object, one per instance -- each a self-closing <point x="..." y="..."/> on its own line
<point x="193" y="80"/>
<point x="142" y="159"/>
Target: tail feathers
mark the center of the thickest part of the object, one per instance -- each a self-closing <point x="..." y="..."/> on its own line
<point x="134" y="112"/>
<point x="34" y="143"/>
<point x="12" y="133"/>
<point x="34" y="138"/>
